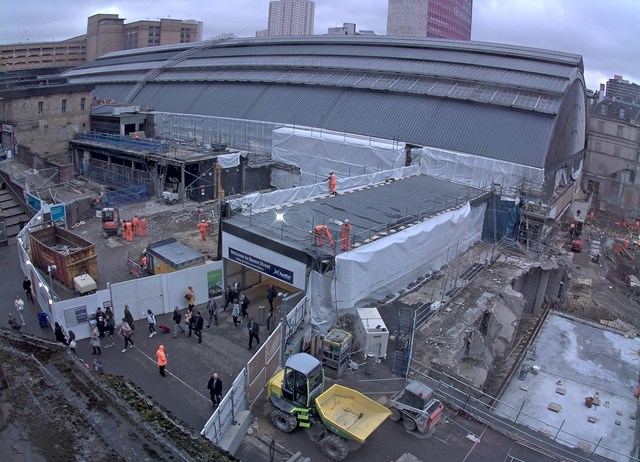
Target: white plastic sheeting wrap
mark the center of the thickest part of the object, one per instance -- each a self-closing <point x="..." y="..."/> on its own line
<point x="229" y="160"/>
<point x="258" y="202"/>
<point x="391" y="263"/>
<point x="319" y="301"/>
<point x="318" y="153"/>
<point x="474" y="170"/>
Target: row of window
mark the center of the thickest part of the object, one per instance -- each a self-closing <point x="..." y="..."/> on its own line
<point x="619" y="129"/>
<point x="63" y="105"/>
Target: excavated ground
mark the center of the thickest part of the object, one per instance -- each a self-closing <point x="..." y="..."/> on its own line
<point x="54" y="408"/>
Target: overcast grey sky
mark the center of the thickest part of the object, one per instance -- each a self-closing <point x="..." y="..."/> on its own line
<point x="605" y="33"/>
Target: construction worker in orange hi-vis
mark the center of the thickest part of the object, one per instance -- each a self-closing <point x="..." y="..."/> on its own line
<point x="203" y="227"/>
<point x="136" y="229"/>
<point x="127" y="231"/>
<point x="143" y="226"/>
<point x="332" y="183"/>
<point x="319" y="232"/>
<point x="345" y="235"/>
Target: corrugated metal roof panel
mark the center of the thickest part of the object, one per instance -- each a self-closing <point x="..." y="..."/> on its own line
<point x="485" y="130"/>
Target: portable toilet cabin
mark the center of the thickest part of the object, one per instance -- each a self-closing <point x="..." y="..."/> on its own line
<point x="170" y="255"/>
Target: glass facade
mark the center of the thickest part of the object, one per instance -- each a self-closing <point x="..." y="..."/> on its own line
<point x="447" y="19"/>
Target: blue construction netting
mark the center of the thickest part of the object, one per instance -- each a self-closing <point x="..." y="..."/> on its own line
<point x="125" y="188"/>
<point x="123" y="142"/>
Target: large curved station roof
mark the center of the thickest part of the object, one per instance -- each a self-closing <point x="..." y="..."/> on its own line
<point x="497" y="101"/>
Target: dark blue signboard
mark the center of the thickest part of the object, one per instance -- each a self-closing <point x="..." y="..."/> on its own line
<point x="260" y="265"/>
<point x="58" y="213"/>
<point x="33" y="202"/>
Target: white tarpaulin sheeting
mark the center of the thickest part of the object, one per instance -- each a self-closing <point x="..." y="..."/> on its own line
<point x="474" y="170"/>
<point x="229" y="160"/>
<point x="389" y="264"/>
<point x="318" y="153"/>
<point x="319" y="301"/>
<point x="258" y="202"/>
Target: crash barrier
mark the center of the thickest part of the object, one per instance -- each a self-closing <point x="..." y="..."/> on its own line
<point x="472" y="401"/>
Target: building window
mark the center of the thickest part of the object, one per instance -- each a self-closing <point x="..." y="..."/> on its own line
<point x="40" y="107"/>
<point x="83" y="103"/>
<point x="620" y="132"/>
<point x="622" y="113"/>
<point x="603" y="109"/>
<point x="63" y="107"/>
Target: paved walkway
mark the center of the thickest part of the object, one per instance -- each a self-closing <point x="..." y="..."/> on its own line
<point x="190" y="364"/>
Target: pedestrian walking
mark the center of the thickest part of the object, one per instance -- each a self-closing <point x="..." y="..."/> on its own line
<point x="60" y="337"/>
<point x="236" y="288"/>
<point x="19" y="304"/>
<point x="129" y="317"/>
<point x="272" y="293"/>
<point x="177" y="319"/>
<point x="72" y="348"/>
<point x="162" y="360"/>
<point x="191" y="297"/>
<point x="13" y="323"/>
<point x="72" y="343"/>
<point x="151" y="318"/>
<point x="254" y="332"/>
<point x="198" y="325"/>
<point x="235" y="312"/>
<point x="126" y="331"/>
<point x="109" y="328"/>
<point x="244" y="306"/>
<point x="212" y="309"/>
<point x="188" y="320"/>
<point x="215" y="389"/>
<point x="228" y="297"/>
<point x="100" y="321"/>
<point x="26" y="286"/>
<point x="95" y="341"/>
<point x="271" y="320"/>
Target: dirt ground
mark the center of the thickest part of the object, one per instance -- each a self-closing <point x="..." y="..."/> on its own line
<point x="54" y="408"/>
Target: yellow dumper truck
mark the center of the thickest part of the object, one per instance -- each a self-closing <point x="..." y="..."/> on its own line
<point x="334" y="416"/>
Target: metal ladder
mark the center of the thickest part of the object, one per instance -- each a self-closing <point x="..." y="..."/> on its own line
<point x="177" y="59"/>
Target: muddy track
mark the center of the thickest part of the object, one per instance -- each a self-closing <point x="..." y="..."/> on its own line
<point x="56" y="409"/>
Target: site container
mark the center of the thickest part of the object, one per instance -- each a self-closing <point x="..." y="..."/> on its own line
<point x="170" y="255"/>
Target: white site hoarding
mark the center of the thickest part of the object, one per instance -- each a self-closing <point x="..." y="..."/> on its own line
<point x="265" y="261"/>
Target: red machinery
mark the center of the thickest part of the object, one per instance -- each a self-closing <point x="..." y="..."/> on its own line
<point x="111" y="222"/>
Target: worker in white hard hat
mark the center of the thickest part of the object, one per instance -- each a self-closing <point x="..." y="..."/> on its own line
<point x="203" y="227"/>
<point x="345" y="235"/>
